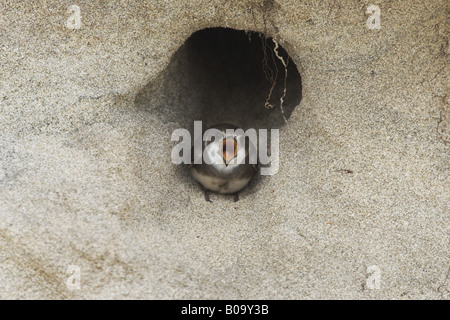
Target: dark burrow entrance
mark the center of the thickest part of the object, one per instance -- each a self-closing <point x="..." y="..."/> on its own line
<point x="224" y="75"/>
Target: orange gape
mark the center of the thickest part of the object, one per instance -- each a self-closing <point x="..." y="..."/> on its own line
<point x="229" y="149"/>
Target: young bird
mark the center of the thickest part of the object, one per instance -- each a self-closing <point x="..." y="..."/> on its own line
<point x="222" y="169"/>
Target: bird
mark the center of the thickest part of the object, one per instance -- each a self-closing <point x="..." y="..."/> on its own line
<point x="225" y="166"/>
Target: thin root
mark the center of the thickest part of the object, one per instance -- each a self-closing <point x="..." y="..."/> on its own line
<point x="272" y="75"/>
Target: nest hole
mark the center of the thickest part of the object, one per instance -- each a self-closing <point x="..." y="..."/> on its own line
<point x="225" y="75"/>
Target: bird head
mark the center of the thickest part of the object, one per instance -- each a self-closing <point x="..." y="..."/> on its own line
<point x="226" y="149"/>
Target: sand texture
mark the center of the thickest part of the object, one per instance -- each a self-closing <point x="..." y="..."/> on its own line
<point x="359" y="208"/>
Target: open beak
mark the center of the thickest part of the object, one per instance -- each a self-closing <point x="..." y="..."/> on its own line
<point x="229" y="150"/>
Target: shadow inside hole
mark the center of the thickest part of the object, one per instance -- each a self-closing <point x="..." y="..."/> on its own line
<point x="219" y="75"/>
